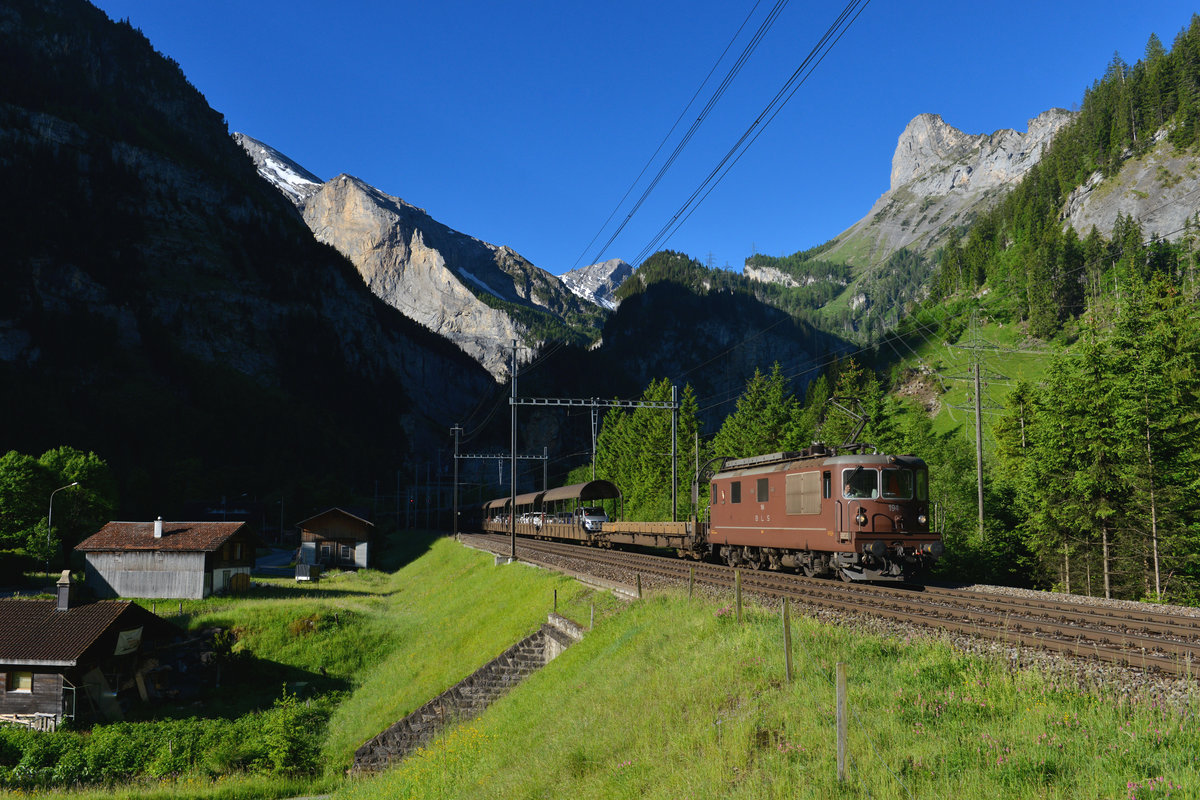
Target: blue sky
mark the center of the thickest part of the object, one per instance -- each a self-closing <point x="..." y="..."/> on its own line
<point x="524" y="123"/>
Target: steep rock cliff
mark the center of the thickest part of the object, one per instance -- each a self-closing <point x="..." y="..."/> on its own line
<point x="943" y="177"/>
<point x="1159" y="189"/>
<point x="479" y="295"/>
<point x="164" y="307"/>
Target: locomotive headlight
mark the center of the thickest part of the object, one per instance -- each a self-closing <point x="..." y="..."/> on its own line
<point x="861" y="516"/>
<point x="922" y="519"/>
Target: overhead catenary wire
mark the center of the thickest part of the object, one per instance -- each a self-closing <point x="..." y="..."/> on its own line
<point x="666" y="138"/>
<point x="816" y="55"/>
<point x="751" y="46"/>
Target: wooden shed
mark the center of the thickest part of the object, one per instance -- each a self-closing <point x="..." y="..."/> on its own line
<point x="187" y="560"/>
<point x="335" y="538"/>
<point x="61" y="660"/>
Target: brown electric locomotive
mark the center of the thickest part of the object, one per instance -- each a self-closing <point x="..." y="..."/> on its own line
<point x="858" y="517"/>
<point x="861" y="517"/>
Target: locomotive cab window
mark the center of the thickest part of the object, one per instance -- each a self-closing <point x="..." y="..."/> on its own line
<point x="826" y="485"/>
<point x="922" y="484"/>
<point x="897" y="484"/>
<point x="735" y="492"/>
<point x="860" y="483"/>
<point x="762" y="489"/>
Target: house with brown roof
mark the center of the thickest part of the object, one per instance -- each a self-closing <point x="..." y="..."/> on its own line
<point x="187" y="560"/>
<point x="335" y="538"/>
<point x="62" y="660"/>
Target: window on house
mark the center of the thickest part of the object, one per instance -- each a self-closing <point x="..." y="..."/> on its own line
<point x="237" y="551"/>
<point x="347" y="552"/>
<point x="19" y="682"/>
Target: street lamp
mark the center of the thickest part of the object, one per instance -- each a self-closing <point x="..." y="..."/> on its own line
<point x="50" y="517"/>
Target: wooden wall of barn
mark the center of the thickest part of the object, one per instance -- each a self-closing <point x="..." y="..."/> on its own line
<point x="44" y="698"/>
<point x="146" y="574"/>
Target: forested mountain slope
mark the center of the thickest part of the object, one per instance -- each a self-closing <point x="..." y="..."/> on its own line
<point x="1091" y="470"/>
<point x="162" y="306"/>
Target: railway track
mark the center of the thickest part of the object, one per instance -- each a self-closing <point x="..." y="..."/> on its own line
<point x="1138" y="638"/>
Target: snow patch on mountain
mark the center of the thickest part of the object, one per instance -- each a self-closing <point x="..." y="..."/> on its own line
<point x="597" y="283"/>
<point x="482" y="285"/>
<point x="288" y="176"/>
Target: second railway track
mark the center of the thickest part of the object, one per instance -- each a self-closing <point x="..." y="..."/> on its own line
<point x="1139" y="638"/>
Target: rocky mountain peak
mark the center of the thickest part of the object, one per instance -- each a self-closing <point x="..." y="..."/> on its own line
<point x="941" y="177"/>
<point x="478" y="295"/>
<point x="289" y="177"/>
<point x="934" y="158"/>
<point x="597" y="283"/>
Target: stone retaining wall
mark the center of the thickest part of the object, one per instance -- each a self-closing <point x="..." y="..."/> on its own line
<point x="469" y="698"/>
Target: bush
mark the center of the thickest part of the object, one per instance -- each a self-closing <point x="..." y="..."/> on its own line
<point x="120" y="751"/>
<point x="293" y="734"/>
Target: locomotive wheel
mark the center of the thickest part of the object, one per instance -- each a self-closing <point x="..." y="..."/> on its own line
<point x="809" y="570"/>
<point x="753" y="557"/>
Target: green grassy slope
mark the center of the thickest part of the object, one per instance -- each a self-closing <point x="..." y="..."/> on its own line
<point x="671" y="697"/>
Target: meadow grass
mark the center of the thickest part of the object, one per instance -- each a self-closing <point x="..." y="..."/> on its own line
<point x="670" y="697"/>
<point x="673" y="699"/>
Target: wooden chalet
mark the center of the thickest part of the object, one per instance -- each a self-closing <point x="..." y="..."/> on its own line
<point x="61" y="660"/>
<point x="335" y="538"/>
<point x="187" y="560"/>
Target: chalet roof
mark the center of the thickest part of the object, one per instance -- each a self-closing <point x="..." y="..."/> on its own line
<point x="334" y="512"/>
<point x="35" y="633"/>
<point x="177" y="536"/>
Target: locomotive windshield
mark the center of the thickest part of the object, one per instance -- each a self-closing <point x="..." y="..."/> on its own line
<point x="897" y="484"/>
<point x="860" y="483"/>
<point x="890" y="483"/>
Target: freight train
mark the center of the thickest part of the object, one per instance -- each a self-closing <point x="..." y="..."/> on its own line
<point x="859" y="517"/>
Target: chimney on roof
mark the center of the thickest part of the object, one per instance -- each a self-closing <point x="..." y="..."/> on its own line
<point x="158" y="528"/>
<point x="64" y="590"/>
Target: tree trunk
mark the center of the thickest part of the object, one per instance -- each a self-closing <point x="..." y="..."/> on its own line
<point x="1153" y="515"/>
<point x="1067" y="565"/>
<point x="1104" y="556"/>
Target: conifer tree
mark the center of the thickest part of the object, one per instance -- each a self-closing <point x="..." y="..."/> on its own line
<point x="1156" y="357"/>
<point x="764" y="421"/>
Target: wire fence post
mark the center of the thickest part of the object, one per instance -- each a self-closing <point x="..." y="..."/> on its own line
<point x="691" y="580"/>
<point x="737" y="592"/>
<point x="787" y="641"/>
<point x="592" y="618"/>
<point x="556" y="601"/>
<point x="639" y="585"/>
<point x="841" y="721"/>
